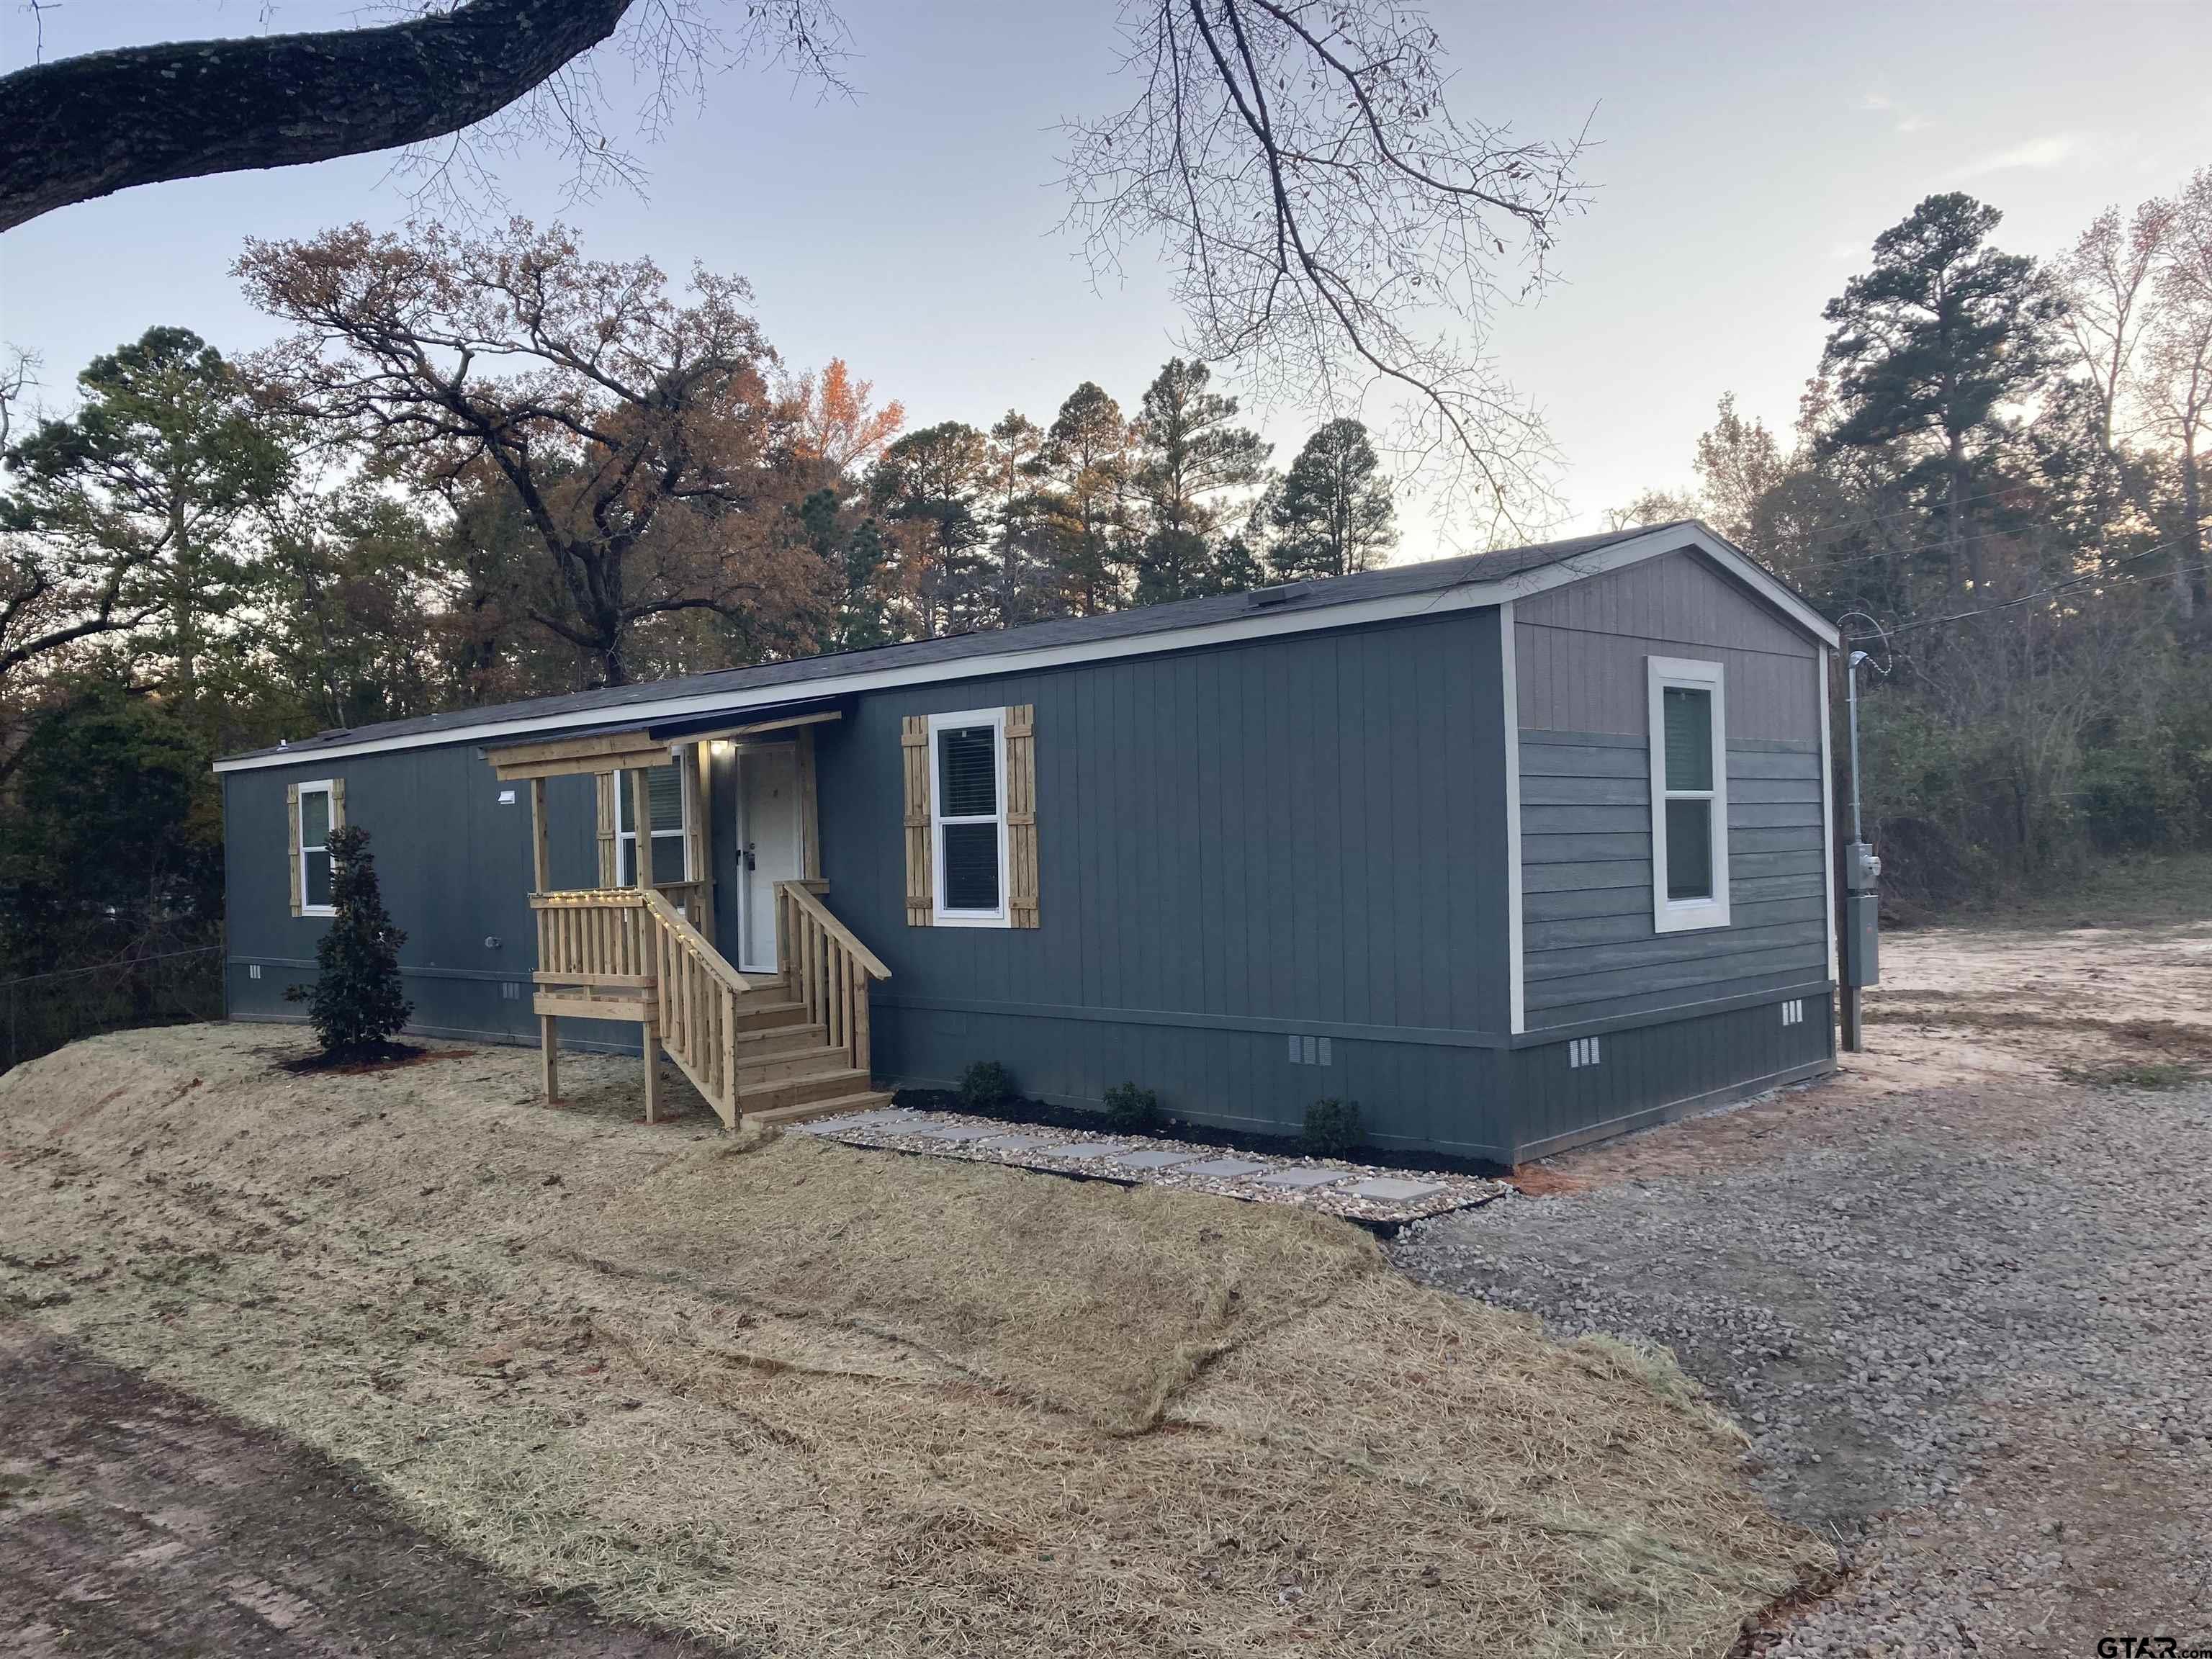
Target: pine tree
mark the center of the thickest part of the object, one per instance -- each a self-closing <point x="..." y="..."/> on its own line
<point x="357" y="1000"/>
<point x="1334" y="513"/>
<point x="1188" y="453"/>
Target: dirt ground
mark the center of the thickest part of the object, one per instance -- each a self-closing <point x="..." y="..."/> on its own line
<point x="1959" y="1296"/>
<point x="136" y="1521"/>
<point x="795" y="1398"/>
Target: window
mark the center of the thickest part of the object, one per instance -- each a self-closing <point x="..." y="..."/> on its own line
<point x="315" y="849"/>
<point x="968" y="817"/>
<point x="664" y="806"/>
<point x="1689" y="795"/>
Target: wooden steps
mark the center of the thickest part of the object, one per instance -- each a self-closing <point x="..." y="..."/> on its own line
<point x="779" y="1092"/>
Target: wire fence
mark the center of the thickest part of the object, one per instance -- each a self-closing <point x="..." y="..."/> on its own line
<point x="44" y="1011"/>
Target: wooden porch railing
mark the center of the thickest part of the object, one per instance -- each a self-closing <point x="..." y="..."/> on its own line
<point x="593" y="936"/>
<point x="698" y="1000"/>
<point x="826" y="968"/>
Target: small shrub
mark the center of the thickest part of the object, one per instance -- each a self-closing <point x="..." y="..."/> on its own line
<point x="357" y="1000"/>
<point x="1133" y="1111"/>
<point x="1334" y="1127"/>
<point x="986" y="1086"/>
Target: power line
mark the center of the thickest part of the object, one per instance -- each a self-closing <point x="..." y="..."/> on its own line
<point x="2076" y="586"/>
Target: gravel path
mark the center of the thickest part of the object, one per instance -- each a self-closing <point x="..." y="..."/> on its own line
<point x="1968" y="1328"/>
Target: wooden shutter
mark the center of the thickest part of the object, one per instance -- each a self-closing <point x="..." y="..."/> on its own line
<point x="694" y="813"/>
<point x="920" y="886"/>
<point x="292" y="840"/>
<point x="337" y="803"/>
<point x="604" y="783"/>
<point x="1021" y="814"/>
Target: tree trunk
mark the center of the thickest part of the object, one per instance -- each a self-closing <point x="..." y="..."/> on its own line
<point x="87" y="126"/>
<point x="1953" y="506"/>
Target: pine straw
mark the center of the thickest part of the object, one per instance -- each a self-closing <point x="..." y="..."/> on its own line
<point x="814" y="1401"/>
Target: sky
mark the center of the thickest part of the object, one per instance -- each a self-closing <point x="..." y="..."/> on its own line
<point x="1743" y="158"/>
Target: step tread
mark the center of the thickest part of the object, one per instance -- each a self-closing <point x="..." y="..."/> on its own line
<point x="836" y="1107"/>
<point x="811" y="1080"/>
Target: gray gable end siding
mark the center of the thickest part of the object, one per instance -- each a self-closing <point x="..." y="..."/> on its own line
<point x="1299" y="837"/>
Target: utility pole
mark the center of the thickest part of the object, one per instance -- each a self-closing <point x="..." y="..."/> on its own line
<point x="1861" y="903"/>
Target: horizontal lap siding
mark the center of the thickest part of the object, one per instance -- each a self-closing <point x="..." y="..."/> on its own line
<point x="1591" y="951"/>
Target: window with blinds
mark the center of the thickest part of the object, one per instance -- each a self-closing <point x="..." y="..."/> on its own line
<point x="1689" y="795"/>
<point x="968" y="817"/>
<point x="664" y="806"/>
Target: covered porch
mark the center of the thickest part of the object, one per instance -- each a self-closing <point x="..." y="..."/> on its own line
<point x="709" y="926"/>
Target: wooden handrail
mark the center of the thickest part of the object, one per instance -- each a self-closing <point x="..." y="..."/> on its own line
<point x="800" y="896"/>
<point x="827" y="969"/>
<point x="697" y="996"/>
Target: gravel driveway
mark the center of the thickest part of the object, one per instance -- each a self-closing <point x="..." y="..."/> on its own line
<point x="1967" y="1326"/>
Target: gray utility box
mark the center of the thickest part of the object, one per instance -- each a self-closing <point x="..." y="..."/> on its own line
<point x="1862" y="948"/>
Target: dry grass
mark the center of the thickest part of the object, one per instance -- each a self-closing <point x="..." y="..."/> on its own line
<point x="815" y="1400"/>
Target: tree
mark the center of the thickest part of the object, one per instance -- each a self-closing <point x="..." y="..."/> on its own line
<point x="1086" y="463"/>
<point x="1930" y="344"/>
<point x="1018" y="521"/>
<point x="635" y="432"/>
<point x="1334" y="515"/>
<point x="1739" y="465"/>
<point x="2180" y="346"/>
<point x="1187" y="453"/>
<point x="930" y="486"/>
<point x="127" y="511"/>
<point x="358" y="1000"/>
<point x="1296" y="166"/>
<point x="2107" y="278"/>
<point x="834" y="424"/>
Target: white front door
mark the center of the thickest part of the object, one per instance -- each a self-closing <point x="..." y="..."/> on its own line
<point x="768" y="845"/>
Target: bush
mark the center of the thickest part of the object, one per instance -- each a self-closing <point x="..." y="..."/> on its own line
<point x="1334" y="1127"/>
<point x="356" y="1002"/>
<point x="1133" y="1111"/>
<point x="986" y="1086"/>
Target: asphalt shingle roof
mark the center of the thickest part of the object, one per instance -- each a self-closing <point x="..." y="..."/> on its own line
<point x="590" y="708"/>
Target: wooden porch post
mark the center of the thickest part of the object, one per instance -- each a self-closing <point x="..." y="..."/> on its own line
<point x="541" y="863"/>
<point x="641" y="867"/>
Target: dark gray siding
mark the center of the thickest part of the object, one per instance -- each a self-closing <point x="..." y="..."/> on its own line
<point x="1590" y="952"/>
<point x="454" y="866"/>
<point x="1300" y="837"/>
<point x="1648" y="1073"/>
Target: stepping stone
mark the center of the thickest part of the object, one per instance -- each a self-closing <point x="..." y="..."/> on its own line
<point x="1301" y="1179"/>
<point x="1017" y="1143"/>
<point x="955" y="1133"/>
<point x="1223" y="1168"/>
<point x="1158" y="1158"/>
<point x="1392" y="1190"/>
<point x="1079" y="1149"/>
<point x="831" y="1126"/>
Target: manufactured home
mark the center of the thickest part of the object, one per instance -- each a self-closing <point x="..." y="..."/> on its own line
<point x="1516" y="850"/>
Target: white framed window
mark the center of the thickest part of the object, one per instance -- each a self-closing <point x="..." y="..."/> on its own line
<point x="314" y="829"/>
<point x="967" y="819"/>
<point x="1689" y="795"/>
<point x="665" y="825"/>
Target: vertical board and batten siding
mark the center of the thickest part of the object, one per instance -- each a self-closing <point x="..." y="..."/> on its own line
<point x="455" y="868"/>
<point x="1591" y="953"/>
<point x="1300" y="835"/>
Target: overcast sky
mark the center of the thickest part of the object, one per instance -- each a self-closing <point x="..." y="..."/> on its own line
<point x="1745" y="157"/>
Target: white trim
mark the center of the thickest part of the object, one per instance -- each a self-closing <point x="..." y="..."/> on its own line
<point x="1285" y="619"/>
<point x="326" y="787"/>
<point x="944" y="915"/>
<point x="1687" y="915"/>
<point x="1828" y="820"/>
<point x="1510" y="685"/>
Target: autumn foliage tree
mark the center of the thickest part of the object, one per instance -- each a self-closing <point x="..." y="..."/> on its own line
<point x="636" y="432"/>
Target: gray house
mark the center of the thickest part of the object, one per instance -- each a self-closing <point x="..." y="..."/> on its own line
<point x="1517" y="850"/>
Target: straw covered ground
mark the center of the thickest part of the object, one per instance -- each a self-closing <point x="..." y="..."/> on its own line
<point x="808" y="1400"/>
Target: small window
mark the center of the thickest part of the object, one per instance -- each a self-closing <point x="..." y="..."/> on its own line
<point x="968" y="817"/>
<point x="1689" y="795"/>
<point x="315" y="849"/>
<point x="664" y="806"/>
